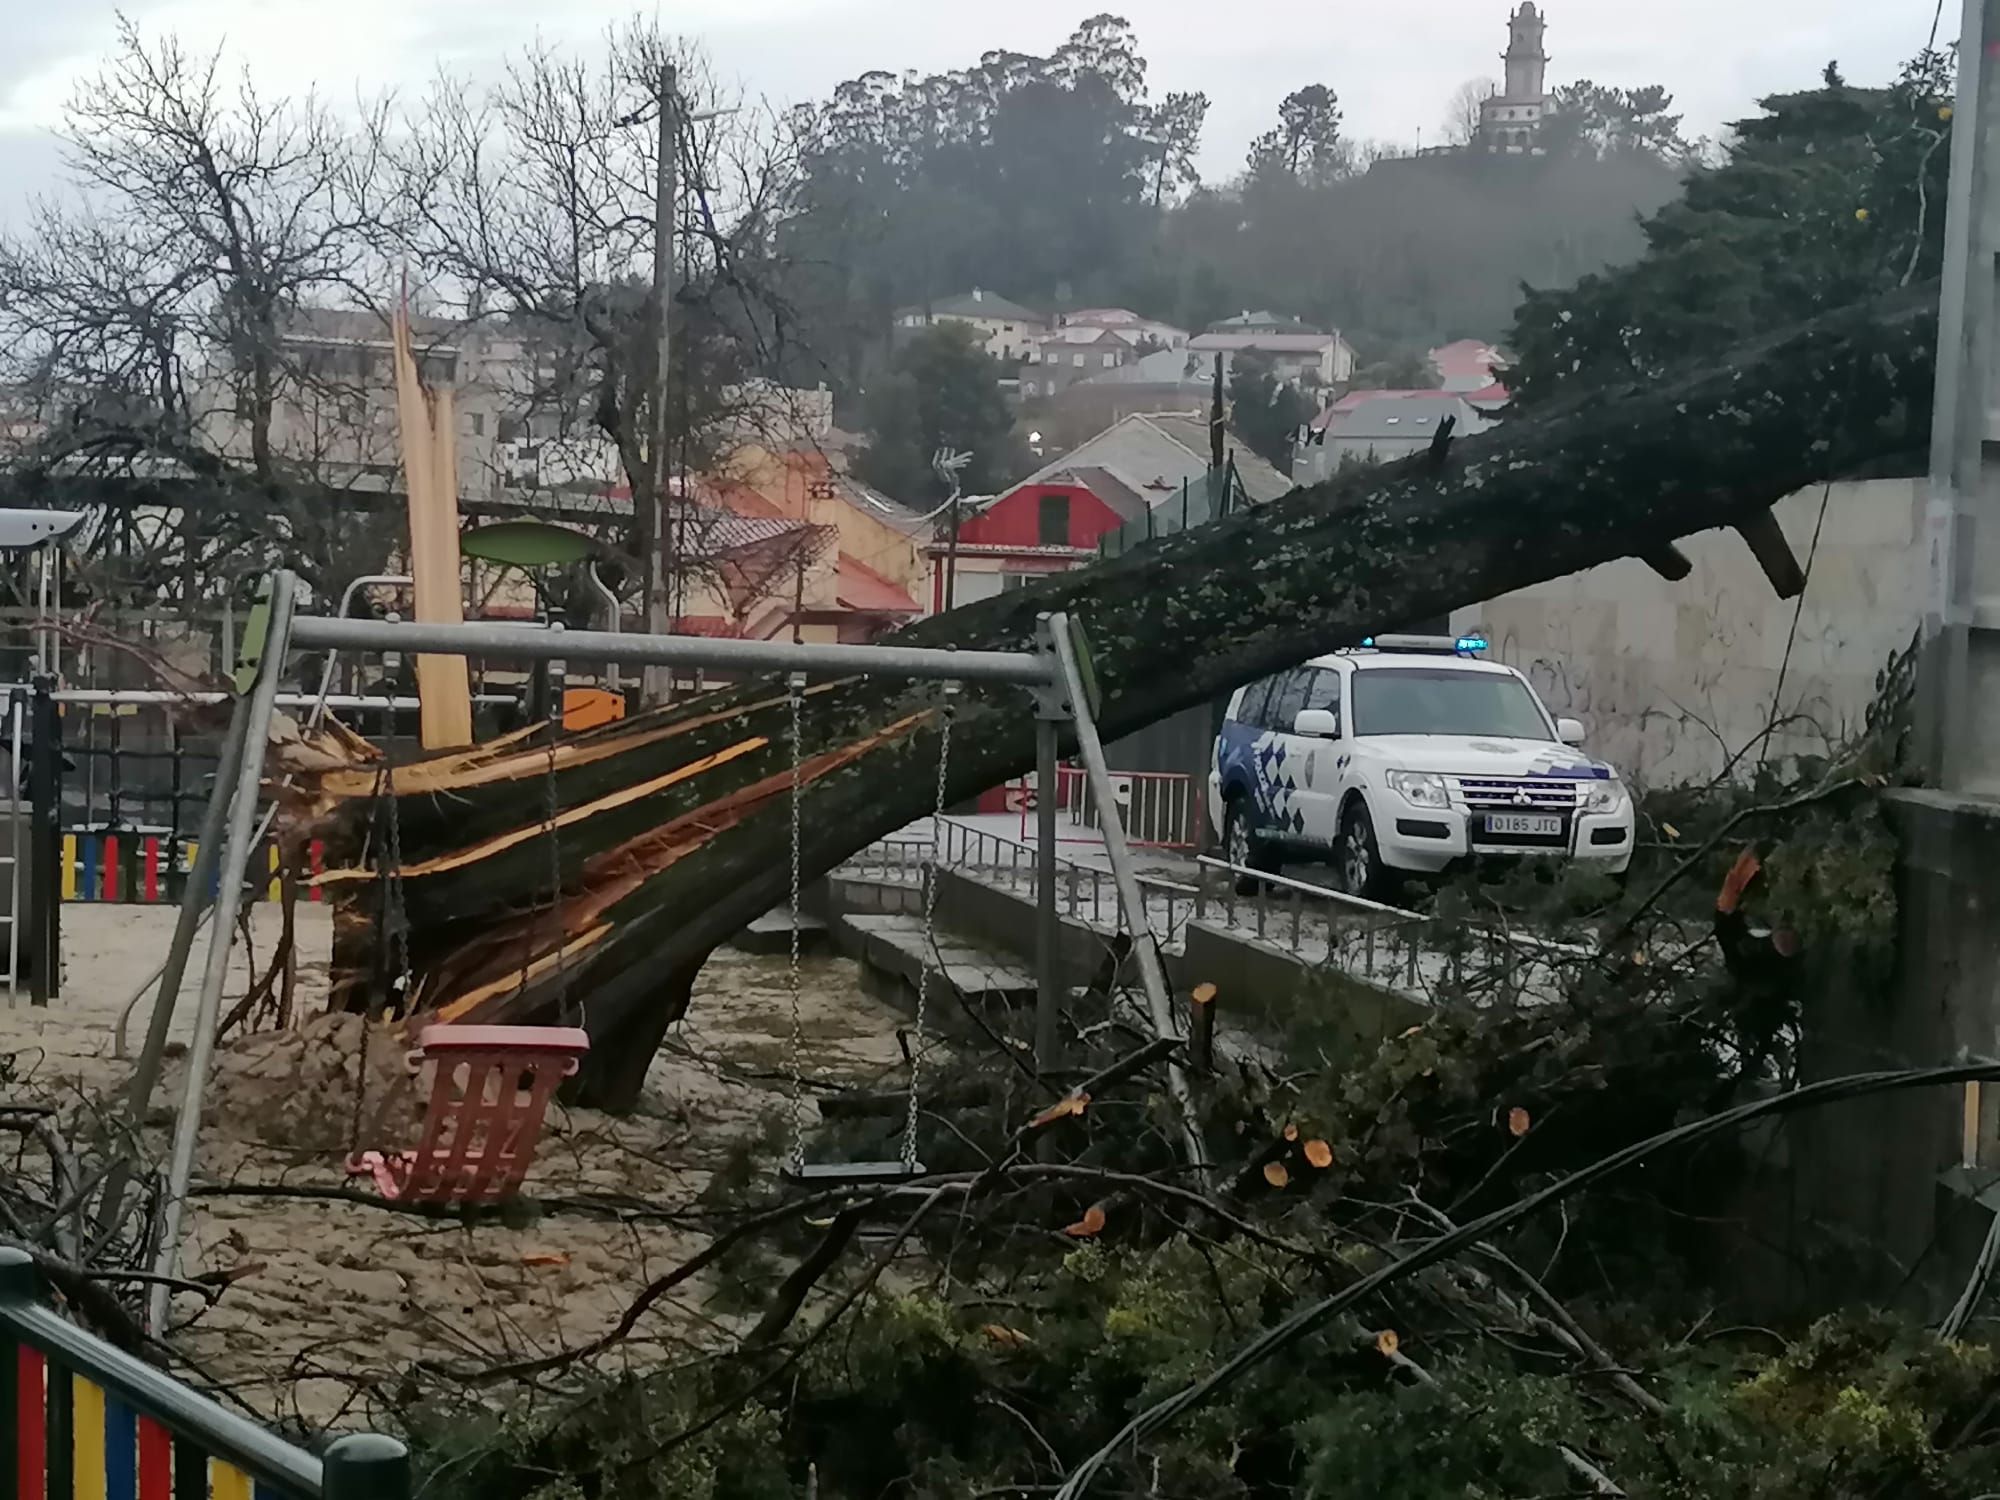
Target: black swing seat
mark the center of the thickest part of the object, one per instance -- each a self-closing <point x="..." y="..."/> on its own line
<point x="840" y="1173"/>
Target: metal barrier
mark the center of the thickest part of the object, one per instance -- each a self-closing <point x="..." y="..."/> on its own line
<point x="1159" y="809"/>
<point x="1417" y="954"/>
<point x="1084" y="893"/>
<point x="80" y="1420"/>
<point x="1217" y="493"/>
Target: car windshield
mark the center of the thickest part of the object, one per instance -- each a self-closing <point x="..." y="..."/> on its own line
<point x="1437" y="700"/>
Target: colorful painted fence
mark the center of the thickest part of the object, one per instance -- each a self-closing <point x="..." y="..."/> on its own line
<point x="149" y="867"/>
<point x="80" y="1420"/>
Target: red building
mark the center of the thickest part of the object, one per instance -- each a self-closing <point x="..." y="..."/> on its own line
<point x="1042" y="526"/>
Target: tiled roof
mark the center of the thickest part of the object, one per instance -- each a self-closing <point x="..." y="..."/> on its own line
<point x="859" y="587"/>
<point x="976" y="304"/>
<point x="1274" y="343"/>
<point x="1406" y="419"/>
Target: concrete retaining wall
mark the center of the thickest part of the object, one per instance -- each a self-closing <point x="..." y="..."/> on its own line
<point x="1671" y="678"/>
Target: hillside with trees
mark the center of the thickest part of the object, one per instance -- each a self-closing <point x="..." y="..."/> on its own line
<point x="1062" y="182"/>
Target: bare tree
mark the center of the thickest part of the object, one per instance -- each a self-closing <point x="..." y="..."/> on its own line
<point x="147" y="313"/>
<point x="532" y="204"/>
<point x="1466" y="112"/>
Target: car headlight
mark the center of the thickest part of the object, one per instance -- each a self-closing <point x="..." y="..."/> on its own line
<point x="1419" y="788"/>
<point x="1604" y="797"/>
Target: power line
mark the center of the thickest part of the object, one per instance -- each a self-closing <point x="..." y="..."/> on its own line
<point x="1798" y="610"/>
<point x="1937" y="18"/>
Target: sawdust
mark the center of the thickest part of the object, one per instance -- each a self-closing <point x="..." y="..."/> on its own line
<point x="339" y="1301"/>
<point x="296" y="1089"/>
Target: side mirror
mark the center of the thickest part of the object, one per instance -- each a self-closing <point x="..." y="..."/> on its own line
<point x="1570" y="731"/>
<point x="1317" y="723"/>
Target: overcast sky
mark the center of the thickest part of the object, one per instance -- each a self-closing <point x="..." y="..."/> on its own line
<point x="1393" y="65"/>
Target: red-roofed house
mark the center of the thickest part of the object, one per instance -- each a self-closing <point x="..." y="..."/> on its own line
<point x="1048" y="524"/>
<point x="880" y="568"/>
<point x="1468" y="365"/>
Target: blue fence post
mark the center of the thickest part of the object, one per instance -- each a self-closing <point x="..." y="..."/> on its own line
<point x="366" y="1466"/>
<point x="19" y="1282"/>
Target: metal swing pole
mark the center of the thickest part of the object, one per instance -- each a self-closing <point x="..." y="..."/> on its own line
<point x="1051" y="713"/>
<point x="1144" y="947"/>
<point x="235" y="865"/>
<point x="194" y="907"/>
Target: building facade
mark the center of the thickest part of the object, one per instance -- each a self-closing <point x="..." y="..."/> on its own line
<point x="1311" y="359"/>
<point x="1053" y="520"/>
<point x="1007" y="330"/>
<point x="1374" y="427"/>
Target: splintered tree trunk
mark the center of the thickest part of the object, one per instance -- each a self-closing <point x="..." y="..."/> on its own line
<point x="673" y="829"/>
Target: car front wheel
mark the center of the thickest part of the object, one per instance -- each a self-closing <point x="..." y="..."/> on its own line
<point x="1242" y="850"/>
<point x="1358" y="860"/>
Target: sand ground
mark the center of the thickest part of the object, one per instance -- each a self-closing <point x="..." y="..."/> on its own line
<point x="337" y="1297"/>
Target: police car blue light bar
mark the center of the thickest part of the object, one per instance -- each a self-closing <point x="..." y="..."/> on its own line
<point x="1427" y="645"/>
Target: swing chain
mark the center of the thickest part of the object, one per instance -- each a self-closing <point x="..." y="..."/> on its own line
<point x="399" y="921"/>
<point x="552" y="811"/>
<point x="930" y="928"/>
<point x="396" y="924"/>
<point x="796" y="685"/>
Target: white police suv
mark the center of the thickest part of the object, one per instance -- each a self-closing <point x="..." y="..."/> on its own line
<point x="1405" y="756"/>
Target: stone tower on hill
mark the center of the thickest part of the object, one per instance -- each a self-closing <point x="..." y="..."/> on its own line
<point x="1511" y="121"/>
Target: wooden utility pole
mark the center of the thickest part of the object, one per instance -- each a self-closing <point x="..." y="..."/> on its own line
<point x="656" y="684"/>
<point x="1218" y="420"/>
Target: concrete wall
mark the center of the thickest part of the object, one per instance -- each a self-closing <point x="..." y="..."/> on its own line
<point x="1671" y="678"/>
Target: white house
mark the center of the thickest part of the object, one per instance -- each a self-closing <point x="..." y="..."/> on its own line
<point x="1312" y="359"/>
<point x="1372" y="427"/>
<point x="1008" y="330"/>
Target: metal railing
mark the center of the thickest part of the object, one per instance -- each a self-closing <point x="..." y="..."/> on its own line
<point x="1084" y="893"/>
<point x="1210" y="497"/>
<point x="81" y="1420"/>
<point x="1158" y="808"/>
<point x="1390" y="946"/>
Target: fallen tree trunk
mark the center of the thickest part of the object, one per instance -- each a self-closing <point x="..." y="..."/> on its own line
<point x="672" y="828"/>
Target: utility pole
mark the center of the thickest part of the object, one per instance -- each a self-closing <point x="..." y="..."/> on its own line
<point x="948" y="465"/>
<point x="1949" y="830"/>
<point x="1959" y="693"/>
<point x="1218" y="421"/>
<point x="656" y="684"/>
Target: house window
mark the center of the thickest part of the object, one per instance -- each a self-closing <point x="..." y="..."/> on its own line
<point x="1076" y="360"/>
<point x="1111" y="361"/>
<point x="479" y="424"/>
<point x="1011" y="581"/>
<point x="1053" y="522"/>
<point x="973" y="585"/>
<point x="510" y="430"/>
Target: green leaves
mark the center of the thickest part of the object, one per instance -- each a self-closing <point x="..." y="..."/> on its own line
<point x="1829" y="197"/>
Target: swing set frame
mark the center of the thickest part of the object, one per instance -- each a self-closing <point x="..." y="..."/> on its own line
<point x="1056" y="674"/>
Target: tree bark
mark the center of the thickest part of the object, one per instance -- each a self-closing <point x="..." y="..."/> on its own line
<point x="674" y="828"/>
